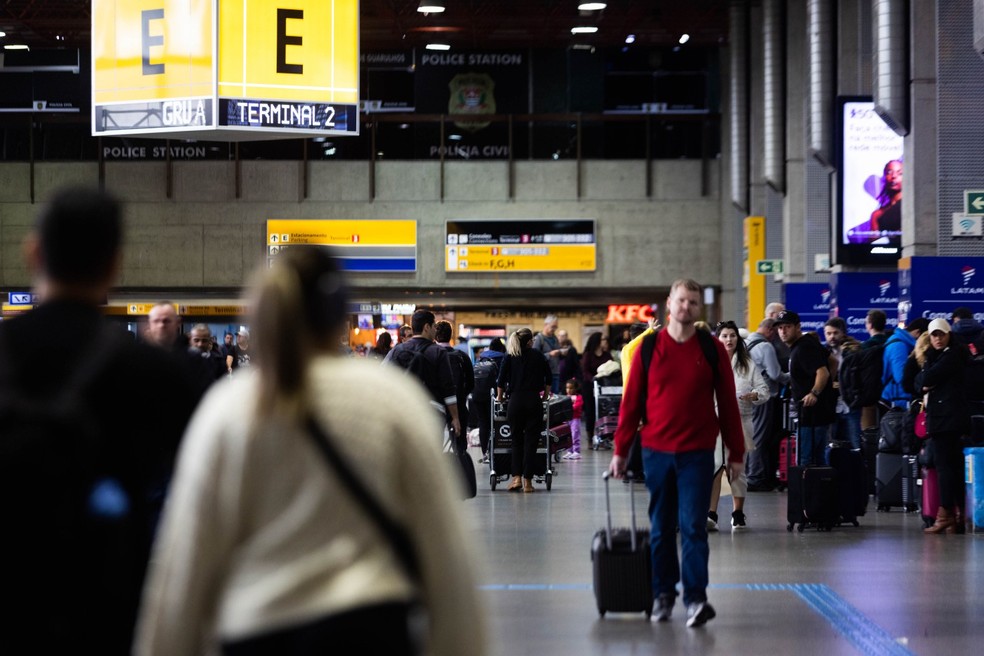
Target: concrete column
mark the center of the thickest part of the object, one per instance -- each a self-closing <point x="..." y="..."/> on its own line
<point x="797" y="92"/>
<point x="756" y="127"/>
<point x="854" y="47"/>
<point x="920" y="220"/>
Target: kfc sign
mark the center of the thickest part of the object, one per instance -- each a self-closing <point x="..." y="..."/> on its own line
<point x="629" y="313"/>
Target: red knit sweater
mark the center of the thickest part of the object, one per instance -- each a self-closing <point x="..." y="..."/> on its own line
<point x="680" y="405"/>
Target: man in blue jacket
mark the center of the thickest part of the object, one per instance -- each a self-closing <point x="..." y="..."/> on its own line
<point x="897" y="350"/>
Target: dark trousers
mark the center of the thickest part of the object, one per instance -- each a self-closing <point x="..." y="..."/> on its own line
<point x="525" y="425"/>
<point x="587" y="394"/>
<point x="484" y="412"/>
<point x="380" y="629"/>
<point x="760" y="464"/>
<point x="949" y="459"/>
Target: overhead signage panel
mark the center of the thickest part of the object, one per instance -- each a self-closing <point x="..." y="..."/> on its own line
<point x="519" y="246"/>
<point x="252" y="70"/>
<point x="363" y="246"/>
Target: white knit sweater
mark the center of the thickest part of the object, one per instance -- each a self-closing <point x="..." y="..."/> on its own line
<point x="258" y="534"/>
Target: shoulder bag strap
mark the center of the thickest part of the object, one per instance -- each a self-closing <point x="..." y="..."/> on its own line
<point x="397" y="536"/>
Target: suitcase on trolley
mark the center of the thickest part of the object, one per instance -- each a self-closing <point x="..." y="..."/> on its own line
<point x="622" y="564"/>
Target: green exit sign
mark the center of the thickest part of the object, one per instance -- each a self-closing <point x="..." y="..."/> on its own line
<point x="768" y="266"/>
<point x="973" y="201"/>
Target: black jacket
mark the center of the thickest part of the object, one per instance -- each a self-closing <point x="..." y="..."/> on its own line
<point x="943" y="374"/>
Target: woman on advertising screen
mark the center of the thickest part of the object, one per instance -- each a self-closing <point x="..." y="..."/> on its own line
<point x="886" y="221"/>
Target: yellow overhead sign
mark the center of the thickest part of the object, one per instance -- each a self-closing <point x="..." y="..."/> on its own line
<point x="385" y="245"/>
<point x="520" y="258"/>
<point x="225" y="70"/>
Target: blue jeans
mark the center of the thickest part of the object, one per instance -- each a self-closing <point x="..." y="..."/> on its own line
<point x="848" y="428"/>
<point x="811" y="445"/>
<point x="680" y="494"/>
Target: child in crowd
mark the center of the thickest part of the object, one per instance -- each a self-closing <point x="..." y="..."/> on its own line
<point x="573" y="390"/>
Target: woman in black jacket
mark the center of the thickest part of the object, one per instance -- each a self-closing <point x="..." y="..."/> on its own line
<point x="525" y="375"/>
<point x="941" y="379"/>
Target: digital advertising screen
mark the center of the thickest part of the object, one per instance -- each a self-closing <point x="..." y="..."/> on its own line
<point x="870" y="177"/>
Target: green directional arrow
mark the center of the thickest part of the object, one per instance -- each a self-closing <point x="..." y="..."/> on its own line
<point x="973" y="201"/>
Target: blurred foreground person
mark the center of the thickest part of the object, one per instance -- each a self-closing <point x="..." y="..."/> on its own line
<point x="89" y="425"/>
<point x="310" y="526"/>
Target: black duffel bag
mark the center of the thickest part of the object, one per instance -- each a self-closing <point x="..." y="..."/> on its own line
<point x="890" y="431"/>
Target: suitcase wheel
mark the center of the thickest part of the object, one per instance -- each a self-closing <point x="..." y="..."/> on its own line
<point x="493" y="480"/>
<point x="856" y="523"/>
<point x="789" y="527"/>
<point x="883" y="508"/>
<point x="601" y="612"/>
<point x="801" y="528"/>
<point x="549" y="480"/>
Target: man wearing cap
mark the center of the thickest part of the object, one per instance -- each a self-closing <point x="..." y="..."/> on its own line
<point x="812" y="387"/>
<point x="240" y="356"/>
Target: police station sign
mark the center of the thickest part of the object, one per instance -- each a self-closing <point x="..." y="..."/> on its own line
<point x="256" y="69"/>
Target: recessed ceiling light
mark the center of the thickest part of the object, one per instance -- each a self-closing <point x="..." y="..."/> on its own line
<point x="17" y="46"/>
<point x="430" y="7"/>
<point x="437" y="46"/>
<point x="583" y="30"/>
<point x="2" y="34"/>
<point x="684" y="38"/>
<point x="591" y="6"/>
<point x="630" y="38"/>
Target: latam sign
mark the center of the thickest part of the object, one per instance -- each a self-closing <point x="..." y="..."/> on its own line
<point x="932" y="287"/>
<point x="811" y="300"/>
<point x="853" y="294"/>
<point x="629" y="313"/>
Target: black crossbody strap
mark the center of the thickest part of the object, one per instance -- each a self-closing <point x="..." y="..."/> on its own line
<point x="402" y="545"/>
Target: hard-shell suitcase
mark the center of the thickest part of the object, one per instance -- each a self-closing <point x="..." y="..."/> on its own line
<point x="930" y="496"/>
<point x="895" y="481"/>
<point x="812" y="498"/>
<point x="869" y="449"/>
<point x="560" y="439"/>
<point x="851" y="482"/>
<point x="622" y="564"/>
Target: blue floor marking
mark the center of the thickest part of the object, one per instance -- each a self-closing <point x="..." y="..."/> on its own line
<point x="860" y="631"/>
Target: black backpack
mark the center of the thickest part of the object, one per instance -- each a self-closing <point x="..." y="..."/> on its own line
<point x="412" y="359"/>
<point x="486" y="374"/>
<point x="860" y="376"/>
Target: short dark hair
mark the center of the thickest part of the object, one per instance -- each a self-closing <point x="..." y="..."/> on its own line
<point x="442" y="331"/>
<point x="838" y="323"/>
<point x="80" y="231"/>
<point x="420" y="319"/>
<point x="919" y="323"/>
<point x="497" y="345"/>
<point x="963" y="312"/>
<point x="877" y="319"/>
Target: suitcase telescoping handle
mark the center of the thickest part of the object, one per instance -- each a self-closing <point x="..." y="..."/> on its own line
<point x="608" y="510"/>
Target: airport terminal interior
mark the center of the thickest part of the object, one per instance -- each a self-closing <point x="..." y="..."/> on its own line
<point x="499" y="161"/>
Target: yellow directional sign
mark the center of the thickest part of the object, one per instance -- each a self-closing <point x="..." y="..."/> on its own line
<point x="518" y="258"/>
<point x="360" y="245"/>
<point x="494" y="245"/>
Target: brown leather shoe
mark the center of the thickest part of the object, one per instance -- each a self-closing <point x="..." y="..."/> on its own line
<point x="528" y="485"/>
<point x="516" y="484"/>
<point x="945" y="523"/>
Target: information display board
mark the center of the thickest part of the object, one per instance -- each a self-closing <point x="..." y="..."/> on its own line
<point x="522" y="246"/>
<point x="365" y="246"/>
<point x="253" y="70"/>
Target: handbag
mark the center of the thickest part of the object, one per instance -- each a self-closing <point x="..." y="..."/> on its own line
<point x="920" y="427"/>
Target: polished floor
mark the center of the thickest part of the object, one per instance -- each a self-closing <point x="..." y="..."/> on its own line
<point x="882" y="588"/>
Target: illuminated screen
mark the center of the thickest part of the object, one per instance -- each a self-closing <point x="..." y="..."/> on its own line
<point x="870" y="170"/>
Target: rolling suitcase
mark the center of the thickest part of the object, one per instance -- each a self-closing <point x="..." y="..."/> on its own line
<point x="812" y="498"/>
<point x="869" y="449"/>
<point x="895" y="481"/>
<point x="622" y="564"/>
<point x="787" y="455"/>
<point x="852" y="484"/>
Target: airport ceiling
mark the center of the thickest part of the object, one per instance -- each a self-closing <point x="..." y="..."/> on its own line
<point x="465" y="25"/>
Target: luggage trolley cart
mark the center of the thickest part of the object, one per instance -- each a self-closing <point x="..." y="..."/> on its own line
<point x="608" y="398"/>
<point x="548" y="446"/>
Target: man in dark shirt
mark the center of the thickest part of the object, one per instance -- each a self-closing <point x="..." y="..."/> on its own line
<point x="812" y="387"/>
<point x="77" y="540"/>
<point x="461" y="369"/>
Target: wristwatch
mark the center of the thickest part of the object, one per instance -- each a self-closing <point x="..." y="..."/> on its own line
<point x="815" y="393"/>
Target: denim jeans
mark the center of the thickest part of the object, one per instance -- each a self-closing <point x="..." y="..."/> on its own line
<point x="680" y="494"/>
<point x="811" y="445"/>
<point x="848" y="428"/>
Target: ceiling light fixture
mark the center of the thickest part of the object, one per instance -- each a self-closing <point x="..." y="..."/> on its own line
<point x="630" y="38"/>
<point x="437" y="46"/>
<point x="17" y="46"/>
<point x="583" y="30"/>
<point x="684" y="38"/>
<point x="591" y="6"/>
<point x="430" y="7"/>
<point x="2" y="34"/>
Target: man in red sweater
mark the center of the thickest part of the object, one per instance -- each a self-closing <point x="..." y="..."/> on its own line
<point x="678" y="441"/>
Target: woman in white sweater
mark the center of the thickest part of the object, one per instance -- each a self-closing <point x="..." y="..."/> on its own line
<point x="264" y="549"/>
<point x="752" y="390"/>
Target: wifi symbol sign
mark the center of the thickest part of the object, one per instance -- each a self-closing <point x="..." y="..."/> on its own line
<point x="966" y="226"/>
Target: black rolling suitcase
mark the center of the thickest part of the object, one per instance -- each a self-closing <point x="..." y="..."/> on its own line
<point x="812" y="498"/>
<point x="852" y="481"/>
<point x="622" y="564"/>
<point x="896" y="477"/>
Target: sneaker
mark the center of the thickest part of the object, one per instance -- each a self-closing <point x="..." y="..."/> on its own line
<point x="738" y="520"/>
<point x="699" y="614"/>
<point x="712" y="521"/>
<point x="574" y="455"/>
<point x="664" y="607"/>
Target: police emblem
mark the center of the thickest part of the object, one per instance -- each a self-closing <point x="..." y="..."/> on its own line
<point x="471" y="93"/>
